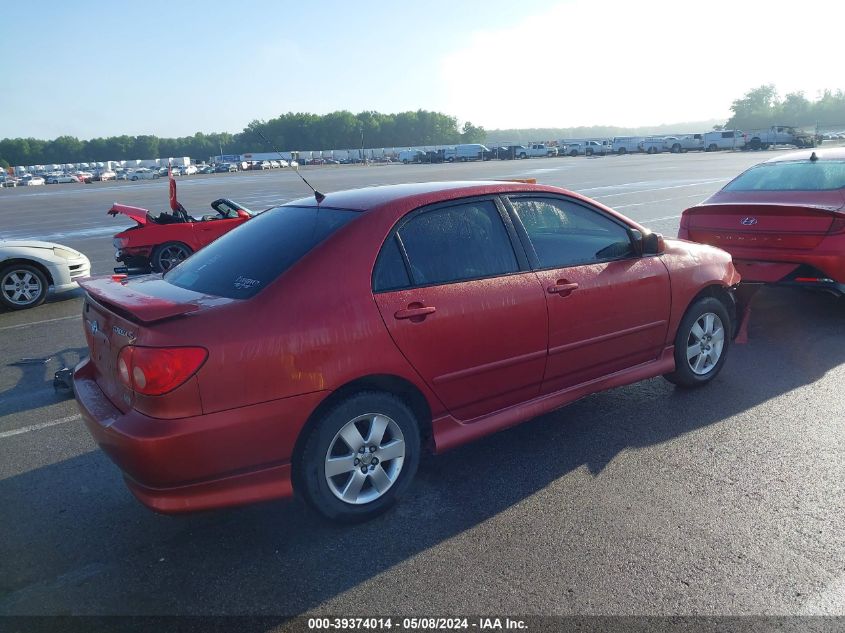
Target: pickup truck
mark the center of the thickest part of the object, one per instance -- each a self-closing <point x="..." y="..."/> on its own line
<point x="778" y="135"/>
<point x="684" y="143"/>
<point x="539" y="150"/>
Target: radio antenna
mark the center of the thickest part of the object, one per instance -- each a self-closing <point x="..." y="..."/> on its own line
<point x="317" y="195"/>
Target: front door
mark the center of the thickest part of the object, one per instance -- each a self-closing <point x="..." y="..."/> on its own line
<point x="608" y="306"/>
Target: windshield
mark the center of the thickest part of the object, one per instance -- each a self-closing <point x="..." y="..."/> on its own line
<point x="247" y="259"/>
<point x="805" y="175"/>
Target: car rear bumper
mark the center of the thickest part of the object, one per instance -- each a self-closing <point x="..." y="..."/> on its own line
<point x="198" y="463"/>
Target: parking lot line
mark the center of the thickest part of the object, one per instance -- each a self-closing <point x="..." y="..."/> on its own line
<point x="21" y="325"/>
<point x="42" y="425"/>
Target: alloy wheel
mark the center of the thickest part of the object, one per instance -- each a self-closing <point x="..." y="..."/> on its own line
<point x="364" y="458"/>
<point x="705" y="343"/>
<point x="21" y="287"/>
<point x="172" y="255"/>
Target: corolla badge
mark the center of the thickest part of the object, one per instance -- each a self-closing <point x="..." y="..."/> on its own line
<point x="748" y="221"/>
<point x="121" y="332"/>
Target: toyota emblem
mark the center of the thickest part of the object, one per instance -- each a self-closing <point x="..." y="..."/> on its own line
<point x="748" y="221"/>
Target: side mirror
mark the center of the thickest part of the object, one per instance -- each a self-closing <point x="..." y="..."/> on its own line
<point x="652" y="244"/>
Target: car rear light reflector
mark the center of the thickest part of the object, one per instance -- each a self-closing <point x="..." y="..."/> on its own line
<point x="814" y="280"/>
<point x="153" y="371"/>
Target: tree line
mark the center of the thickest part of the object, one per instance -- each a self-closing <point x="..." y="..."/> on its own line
<point x="291" y="131"/>
<point x="759" y="107"/>
<point x="763" y="107"/>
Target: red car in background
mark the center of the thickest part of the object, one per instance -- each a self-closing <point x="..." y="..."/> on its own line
<point x="158" y="243"/>
<point x="782" y="220"/>
<point x="321" y="346"/>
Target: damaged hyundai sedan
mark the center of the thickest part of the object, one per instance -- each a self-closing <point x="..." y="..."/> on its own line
<point x="322" y="346"/>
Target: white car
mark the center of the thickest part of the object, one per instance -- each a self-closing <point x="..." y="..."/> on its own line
<point x="30" y="181"/>
<point x="143" y="174"/>
<point x="58" y="179"/>
<point x="30" y="269"/>
<point x="189" y="170"/>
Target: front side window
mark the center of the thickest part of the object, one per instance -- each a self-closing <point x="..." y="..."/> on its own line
<point x="564" y="233"/>
<point x="457" y="243"/>
<point x="802" y="175"/>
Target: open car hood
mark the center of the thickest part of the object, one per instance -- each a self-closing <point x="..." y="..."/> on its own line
<point x="141" y="216"/>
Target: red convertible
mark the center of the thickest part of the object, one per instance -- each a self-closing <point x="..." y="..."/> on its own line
<point x="160" y="242"/>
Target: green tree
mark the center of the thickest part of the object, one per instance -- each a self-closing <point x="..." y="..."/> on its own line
<point x="473" y="134"/>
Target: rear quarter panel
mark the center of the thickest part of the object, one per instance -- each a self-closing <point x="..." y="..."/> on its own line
<point x="314" y="329"/>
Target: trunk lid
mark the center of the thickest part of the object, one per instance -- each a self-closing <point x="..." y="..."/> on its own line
<point x="119" y="312"/>
<point x="760" y="225"/>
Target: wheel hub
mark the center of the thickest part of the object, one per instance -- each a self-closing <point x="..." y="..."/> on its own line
<point x="364" y="459"/>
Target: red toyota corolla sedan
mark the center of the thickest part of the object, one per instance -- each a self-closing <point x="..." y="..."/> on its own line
<point x="783" y="220"/>
<point x="320" y="347"/>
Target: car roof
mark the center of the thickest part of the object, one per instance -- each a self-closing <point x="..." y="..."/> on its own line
<point x="831" y="153"/>
<point x="396" y="200"/>
<point x="418" y="194"/>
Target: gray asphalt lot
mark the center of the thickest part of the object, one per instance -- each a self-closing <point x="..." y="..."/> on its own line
<point x="642" y="500"/>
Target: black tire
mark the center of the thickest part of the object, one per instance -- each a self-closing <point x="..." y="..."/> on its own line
<point x="621" y="151"/>
<point x="676" y="148"/>
<point x="589" y="151"/>
<point x="324" y="440"/>
<point x="22" y="277"/>
<point x="168" y="255"/>
<point x="713" y="147"/>
<point x="686" y="339"/>
<point x="574" y="152"/>
<point x="523" y="155"/>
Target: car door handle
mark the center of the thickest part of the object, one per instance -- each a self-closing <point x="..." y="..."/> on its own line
<point x="562" y="288"/>
<point x="415" y="312"/>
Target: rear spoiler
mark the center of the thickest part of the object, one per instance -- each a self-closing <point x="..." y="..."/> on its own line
<point x="141" y="216"/>
<point x="132" y="302"/>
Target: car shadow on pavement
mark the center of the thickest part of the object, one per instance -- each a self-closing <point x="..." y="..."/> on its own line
<point x="34" y="388"/>
<point x="74" y="541"/>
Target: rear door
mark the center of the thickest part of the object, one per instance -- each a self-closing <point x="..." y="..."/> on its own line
<point x="463" y="307"/>
<point x="608" y="306"/>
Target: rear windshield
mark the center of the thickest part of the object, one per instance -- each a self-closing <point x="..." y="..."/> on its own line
<point x="245" y="260"/>
<point x="788" y="176"/>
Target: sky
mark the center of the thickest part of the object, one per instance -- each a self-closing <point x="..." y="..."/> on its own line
<point x="175" y="68"/>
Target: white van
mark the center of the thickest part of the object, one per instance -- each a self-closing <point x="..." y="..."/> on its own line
<point x="723" y="139"/>
<point x="411" y="156"/>
<point x="626" y="144"/>
<point x="653" y="144"/>
<point x="465" y="152"/>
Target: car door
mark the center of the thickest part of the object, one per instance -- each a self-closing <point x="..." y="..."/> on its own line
<point x="462" y="305"/>
<point x="608" y="306"/>
<point x="207" y="231"/>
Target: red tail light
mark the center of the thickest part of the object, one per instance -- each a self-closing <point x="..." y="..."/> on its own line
<point x="153" y="371"/>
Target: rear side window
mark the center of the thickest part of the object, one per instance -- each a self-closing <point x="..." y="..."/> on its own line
<point x="564" y="233"/>
<point x="805" y="175"/>
<point x="390" y="272"/>
<point x="244" y="261"/>
<point x="456" y="243"/>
